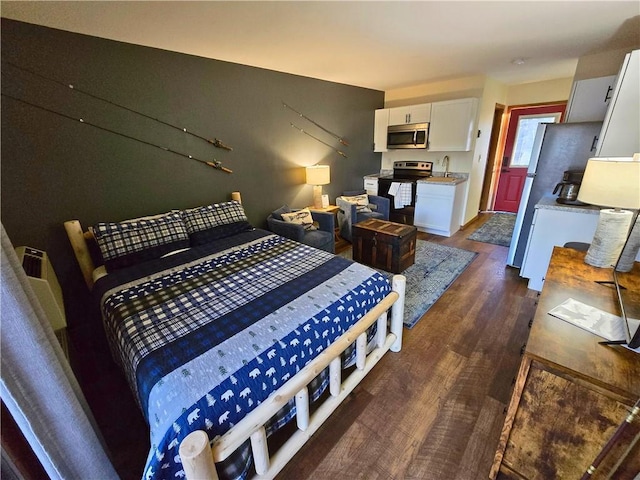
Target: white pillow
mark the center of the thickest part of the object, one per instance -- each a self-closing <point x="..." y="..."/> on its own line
<point x="300" y="217"/>
<point x="361" y="202"/>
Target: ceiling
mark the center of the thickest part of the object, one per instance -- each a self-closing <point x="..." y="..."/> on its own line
<point x="380" y="45"/>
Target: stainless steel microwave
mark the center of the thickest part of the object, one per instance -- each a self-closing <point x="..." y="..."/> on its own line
<point x="411" y="135"/>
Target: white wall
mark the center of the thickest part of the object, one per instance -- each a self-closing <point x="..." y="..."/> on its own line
<point x="494" y="93"/>
<point x="557" y="90"/>
<point x="489" y="92"/>
<point x="602" y="64"/>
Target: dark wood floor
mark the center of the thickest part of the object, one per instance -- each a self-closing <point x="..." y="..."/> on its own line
<point x="432" y="411"/>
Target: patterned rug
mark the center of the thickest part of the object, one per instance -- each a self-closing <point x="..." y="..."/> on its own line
<point x="497" y="230"/>
<point x="435" y="269"/>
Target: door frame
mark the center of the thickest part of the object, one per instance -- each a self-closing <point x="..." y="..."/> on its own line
<point x="499" y="152"/>
<point x="498" y="132"/>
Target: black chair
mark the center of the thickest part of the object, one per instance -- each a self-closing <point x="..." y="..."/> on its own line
<point x="377" y="207"/>
<point x="322" y="238"/>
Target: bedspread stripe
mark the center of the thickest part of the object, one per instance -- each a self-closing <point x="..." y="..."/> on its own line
<point x="159" y="362"/>
<point x="228" y="402"/>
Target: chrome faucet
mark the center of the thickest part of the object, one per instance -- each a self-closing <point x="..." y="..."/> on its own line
<point x="445" y="162"/>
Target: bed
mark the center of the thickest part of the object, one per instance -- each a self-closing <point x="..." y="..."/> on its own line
<point x="226" y="333"/>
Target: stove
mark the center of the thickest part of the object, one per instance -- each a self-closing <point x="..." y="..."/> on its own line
<point x="400" y="188"/>
<point x="405" y="170"/>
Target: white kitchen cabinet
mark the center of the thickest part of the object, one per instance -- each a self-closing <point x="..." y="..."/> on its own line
<point x="438" y="208"/>
<point x="590" y="99"/>
<point x="380" y="126"/>
<point x="620" y="135"/>
<point x="371" y="185"/>
<point x="452" y="127"/>
<point x="420" y="113"/>
<point x="553" y="227"/>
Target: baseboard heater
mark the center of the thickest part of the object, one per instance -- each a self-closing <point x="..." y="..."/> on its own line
<point x="45" y="284"/>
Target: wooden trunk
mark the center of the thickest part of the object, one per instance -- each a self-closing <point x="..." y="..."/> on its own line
<point x="386" y="245"/>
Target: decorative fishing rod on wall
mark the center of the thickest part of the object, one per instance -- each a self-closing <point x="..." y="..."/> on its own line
<point x="215" y="142"/>
<point x="317" y="139"/>
<point x="212" y="163"/>
<point x="335" y="135"/>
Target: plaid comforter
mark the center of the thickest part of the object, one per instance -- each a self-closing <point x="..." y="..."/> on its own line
<point x="206" y="335"/>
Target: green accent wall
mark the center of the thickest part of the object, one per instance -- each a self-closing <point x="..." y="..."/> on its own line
<point x="56" y="169"/>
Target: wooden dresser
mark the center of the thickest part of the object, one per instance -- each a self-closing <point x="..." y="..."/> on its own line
<point x="572" y="393"/>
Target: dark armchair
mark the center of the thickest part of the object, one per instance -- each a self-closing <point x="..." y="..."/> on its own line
<point x="377" y="207"/>
<point x="322" y="238"/>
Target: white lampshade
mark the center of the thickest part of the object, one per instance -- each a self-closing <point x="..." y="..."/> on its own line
<point x="612" y="182"/>
<point x="318" y="175"/>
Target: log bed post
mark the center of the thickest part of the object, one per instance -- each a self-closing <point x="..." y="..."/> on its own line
<point x="195" y="453"/>
<point x="78" y="240"/>
<point x="399" y="285"/>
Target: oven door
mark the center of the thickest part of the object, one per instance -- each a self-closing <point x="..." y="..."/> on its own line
<point x="399" y="214"/>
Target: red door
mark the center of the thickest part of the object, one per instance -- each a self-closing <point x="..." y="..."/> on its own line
<point x="521" y="131"/>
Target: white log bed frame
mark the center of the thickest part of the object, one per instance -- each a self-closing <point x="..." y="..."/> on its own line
<point x="198" y="454"/>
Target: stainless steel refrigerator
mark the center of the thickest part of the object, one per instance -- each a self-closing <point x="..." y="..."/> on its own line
<point x="557" y="147"/>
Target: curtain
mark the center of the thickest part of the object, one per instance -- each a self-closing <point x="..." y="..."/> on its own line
<point x="38" y="386"/>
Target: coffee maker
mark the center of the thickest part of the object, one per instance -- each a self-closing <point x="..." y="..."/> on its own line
<point x="568" y="188"/>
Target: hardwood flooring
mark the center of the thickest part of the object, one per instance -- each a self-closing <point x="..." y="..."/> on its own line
<point x="432" y="411"/>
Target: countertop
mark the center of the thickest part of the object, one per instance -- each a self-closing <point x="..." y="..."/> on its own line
<point x="548" y="202"/>
<point x="455" y="178"/>
<point x="440" y="180"/>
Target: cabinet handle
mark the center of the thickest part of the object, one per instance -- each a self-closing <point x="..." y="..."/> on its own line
<point x="594" y="143"/>
<point x="607" y="97"/>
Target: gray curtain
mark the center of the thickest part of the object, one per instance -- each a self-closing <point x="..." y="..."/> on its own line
<point x="38" y="386"/>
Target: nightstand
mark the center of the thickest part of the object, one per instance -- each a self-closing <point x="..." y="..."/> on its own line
<point x="340" y="242"/>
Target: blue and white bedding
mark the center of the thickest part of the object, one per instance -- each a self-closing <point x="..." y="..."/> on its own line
<point x="206" y="335"/>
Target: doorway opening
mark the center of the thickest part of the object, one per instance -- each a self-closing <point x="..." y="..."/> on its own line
<point x="510" y="152"/>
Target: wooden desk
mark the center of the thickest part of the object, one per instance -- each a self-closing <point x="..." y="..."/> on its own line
<point x="571" y="393"/>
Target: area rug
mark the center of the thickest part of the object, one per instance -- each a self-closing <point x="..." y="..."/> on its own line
<point x="436" y="267"/>
<point x="497" y="230"/>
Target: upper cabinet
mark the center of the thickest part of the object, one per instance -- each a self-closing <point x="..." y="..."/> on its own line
<point x="452" y="127"/>
<point x="620" y="130"/>
<point x="410" y="114"/>
<point x="451" y="124"/>
<point x="590" y="99"/>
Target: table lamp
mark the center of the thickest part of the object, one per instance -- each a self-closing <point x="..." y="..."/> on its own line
<point x="317" y="176"/>
<point x="613" y="183"/>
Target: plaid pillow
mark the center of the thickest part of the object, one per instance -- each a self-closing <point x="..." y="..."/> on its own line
<point x="211" y="222"/>
<point x="126" y="243"/>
